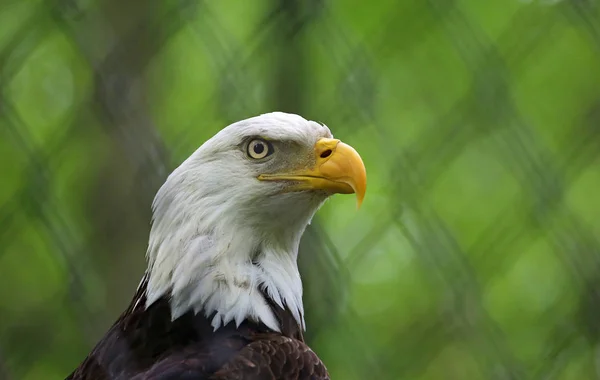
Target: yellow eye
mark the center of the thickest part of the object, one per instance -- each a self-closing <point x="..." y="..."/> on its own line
<point x="258" y="149"/>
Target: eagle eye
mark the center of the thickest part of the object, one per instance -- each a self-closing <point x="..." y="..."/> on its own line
<point x="259" y="148"/>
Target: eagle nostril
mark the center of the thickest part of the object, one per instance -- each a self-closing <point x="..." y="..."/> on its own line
<point x="326" y="153"/>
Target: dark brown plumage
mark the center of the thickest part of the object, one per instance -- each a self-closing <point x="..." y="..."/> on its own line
<point x="146" y="344"/>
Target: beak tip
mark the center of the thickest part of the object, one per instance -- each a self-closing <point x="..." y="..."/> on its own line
<point x="360" y="196"/>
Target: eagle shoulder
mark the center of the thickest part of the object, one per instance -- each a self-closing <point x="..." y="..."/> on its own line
<point x="269" y="356"/>
<point x="274" y="356"/>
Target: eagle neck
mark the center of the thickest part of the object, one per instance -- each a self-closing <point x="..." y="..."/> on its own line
<point x="229" y="274"/>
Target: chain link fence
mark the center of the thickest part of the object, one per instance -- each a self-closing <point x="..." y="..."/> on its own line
<point x="476" y="254"/>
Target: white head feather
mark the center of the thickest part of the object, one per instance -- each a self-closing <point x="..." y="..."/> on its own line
<point x="219" y="235"/>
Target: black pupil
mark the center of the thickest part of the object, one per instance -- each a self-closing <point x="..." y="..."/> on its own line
<point x="259" y="148"/>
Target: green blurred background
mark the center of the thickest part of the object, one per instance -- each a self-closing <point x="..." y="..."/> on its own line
<point x="476" y="254"/>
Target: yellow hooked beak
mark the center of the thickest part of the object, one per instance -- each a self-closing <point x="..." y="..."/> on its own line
<point x="338" y="169"/>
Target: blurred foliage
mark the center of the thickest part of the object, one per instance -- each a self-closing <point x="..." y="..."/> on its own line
<point x="476" y="254"/>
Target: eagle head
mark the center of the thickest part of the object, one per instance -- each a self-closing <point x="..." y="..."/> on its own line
<point x="227" y="222"/>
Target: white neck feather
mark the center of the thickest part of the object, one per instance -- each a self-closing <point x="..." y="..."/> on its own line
<point x="222" y="272"/>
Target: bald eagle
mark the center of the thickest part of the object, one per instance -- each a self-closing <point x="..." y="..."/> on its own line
<point x="222" y="296"/>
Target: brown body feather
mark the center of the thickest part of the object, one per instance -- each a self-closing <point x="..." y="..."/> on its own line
<point x="146" y="344"/>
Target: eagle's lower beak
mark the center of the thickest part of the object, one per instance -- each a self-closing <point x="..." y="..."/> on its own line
<point x="338" y="169"/>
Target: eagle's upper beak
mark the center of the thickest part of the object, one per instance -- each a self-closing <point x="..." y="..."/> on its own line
<point x="338" y="169"/>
